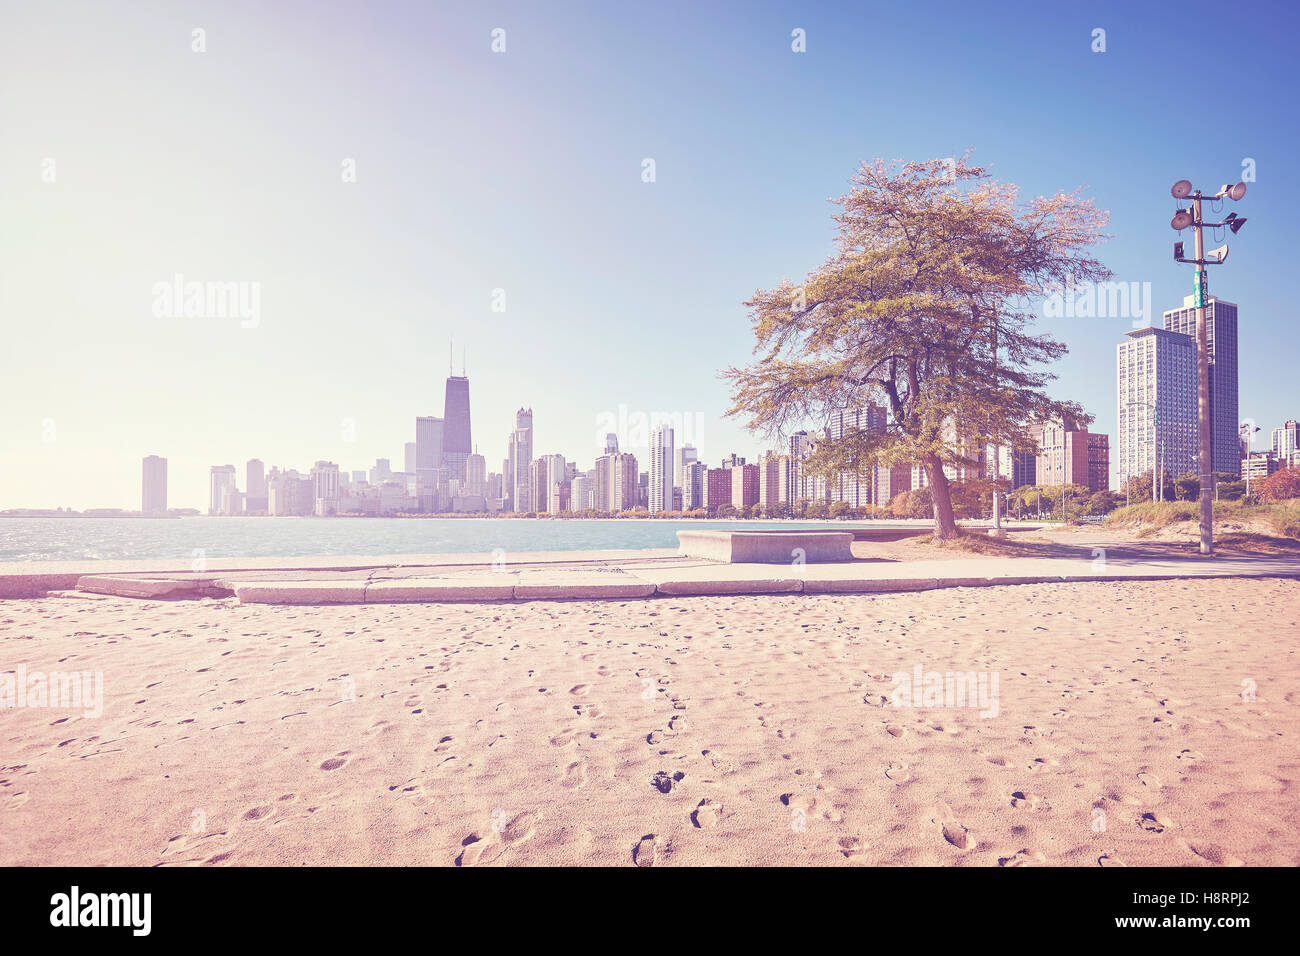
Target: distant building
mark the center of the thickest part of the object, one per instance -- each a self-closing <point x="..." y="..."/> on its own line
<point x="409" y="452"/>
<point x="693" y="477"/>
<point x="429" y="475"/>
<point x="381" y="472"/>
<point x="1261" y="464"/>
<point x="769" y="482"/>
<point x="289" y="494"/>
<point x="476" y="475"/>
<point x="856" y="484"/>
<point x="1156" y="371"/>
<point x="579" y="493"/>
<point x="744" y="486"/>
<point x="220" y="478"/>
<point x="325" y="488"/>
<point x="732" y="460"/>
<point x="153" y="498"/>
<point x="660" y="478"/>
<point x="1286" y="440"/>
<point x="456" y="441"/>
<point x="1221" y="339"/>
<point x="518" y="479"/>
<point x="683" y="455"/>
<point x="1075" y="456"/>
<point x="717" y="488"/>
<point x="616" y="483"/>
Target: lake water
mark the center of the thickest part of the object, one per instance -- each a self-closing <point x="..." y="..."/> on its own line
<point x="80" y="539"/>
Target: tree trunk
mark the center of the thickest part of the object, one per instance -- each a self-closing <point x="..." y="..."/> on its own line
<point x="945" y="525"/>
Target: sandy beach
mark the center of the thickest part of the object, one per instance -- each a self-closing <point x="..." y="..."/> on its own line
<point x="1136" y="723"/>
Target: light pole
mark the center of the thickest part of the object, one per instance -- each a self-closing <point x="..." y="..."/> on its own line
<point x="1182" y="219"/>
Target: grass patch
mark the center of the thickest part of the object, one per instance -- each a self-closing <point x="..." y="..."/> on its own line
<point x="1148" y="518"/>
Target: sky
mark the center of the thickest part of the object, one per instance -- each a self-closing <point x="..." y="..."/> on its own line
<point x="380" y="183"/>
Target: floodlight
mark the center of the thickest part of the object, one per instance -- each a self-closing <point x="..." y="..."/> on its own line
<point x="1181" y="189"/>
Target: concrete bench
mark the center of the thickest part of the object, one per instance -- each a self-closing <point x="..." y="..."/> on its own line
<point x="766" y="547"/>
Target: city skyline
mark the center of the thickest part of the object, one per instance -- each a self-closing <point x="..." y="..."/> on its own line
<point x="345" y="334"/>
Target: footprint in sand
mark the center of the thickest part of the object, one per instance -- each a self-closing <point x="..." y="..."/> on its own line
<point x="1039" y="764"/>
<point x="1149" y="780"/>
<point x="563" y="739"/>
<point x="707" y="814"/>
<point x="663" y="781"/>
<point x="259" y="813"/>
<point x="1028" y="801"/>
<point x="335" y="762"/>
<point x="952" y="831"/>
<point x="850" y="847"/>
<point x="894" y="730"/>
<point x="718" y="762"/>
<point x="1024" y="857"/>
<point x="579" y="690"/>
<point x="1110" y="858"/>
<point x="575" y="775"/>
<point x="1190" y="756"/>
<point x="1213" y="853"/>
<point x="643" y="854"/>
<point x="898" y="772"/>
<point x="1155" y="822"/>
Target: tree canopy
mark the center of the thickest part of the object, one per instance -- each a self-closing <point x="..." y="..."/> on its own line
<point x="923" y="307"/>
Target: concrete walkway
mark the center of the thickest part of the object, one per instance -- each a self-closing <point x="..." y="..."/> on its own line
<point x="604" y="575"/>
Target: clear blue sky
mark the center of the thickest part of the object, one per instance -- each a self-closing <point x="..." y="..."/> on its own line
<point x="522" y="171"/>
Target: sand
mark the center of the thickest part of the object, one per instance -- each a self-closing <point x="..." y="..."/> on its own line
<point x="737" y="730"/>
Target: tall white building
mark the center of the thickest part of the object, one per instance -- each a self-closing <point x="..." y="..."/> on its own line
<point x="428" y="454"/>
<point x="1286" y="440"/>
<point x="518" y="477"/>
<point x="220" y="480"/>
<point x="661" y="469"/>
<point x="579" y="493"/>
<point x="1157" y="403"/>
<point x="325" y="487"/>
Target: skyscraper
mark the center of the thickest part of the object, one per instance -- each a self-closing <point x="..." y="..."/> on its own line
<point x="220" y="480"/>
<point x="428" y="458"/>
<point x="255" y="501"/>
<point x="519" y="479"/>
<point x="1221" y="337"/>
<point x="325" y="488"/>
<point x="1156" y="370"/>
<point x="408" y="454"/>
<point x="660" y="489"/>
<point x="154" y="486"/>
<point x="1286" y="440"/>
<point x="456" y="443"/>
<point x="856" y="485"/>
<point x="476" y="475"/>
<point x="683" y="456"/>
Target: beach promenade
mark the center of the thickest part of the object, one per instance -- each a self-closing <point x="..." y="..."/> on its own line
<point x="1093" y="555"/>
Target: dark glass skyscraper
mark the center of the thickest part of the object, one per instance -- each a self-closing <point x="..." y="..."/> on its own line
<point x="1221" y="335"/>
<point x="456" y="442"/>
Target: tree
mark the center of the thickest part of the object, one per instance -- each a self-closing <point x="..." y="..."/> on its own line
<point x="924" y="305"/>
<point x="840" y="509"/>
<point x="1279" y="486"/>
